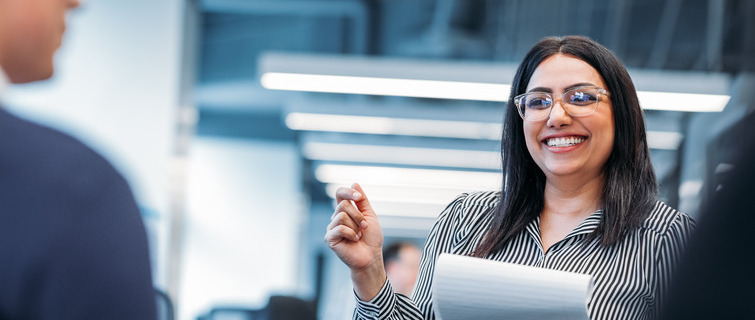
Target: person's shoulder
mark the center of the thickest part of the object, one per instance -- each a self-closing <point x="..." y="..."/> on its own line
<point x="464" y="217"/>
<point x="37" y="155"/>
<point x="473" y="206"/>
<point x="476" y="201"/>
<point x="482" y="199"/>
<point x="664" y="217"/>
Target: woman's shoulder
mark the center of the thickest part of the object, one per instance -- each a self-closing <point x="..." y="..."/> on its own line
<point x="470" y="207"/>
<point x="664" y="217"/>
<point x="484" y="199"/>
<point x="473" y="204"/>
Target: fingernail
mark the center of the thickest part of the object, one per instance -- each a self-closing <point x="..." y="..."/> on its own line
<point x="363" y="224"/>
<point x="356" y="195"/>
<point x="358" y="235"/>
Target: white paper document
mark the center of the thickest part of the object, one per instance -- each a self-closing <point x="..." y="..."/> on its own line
<point x="474" y="288"/>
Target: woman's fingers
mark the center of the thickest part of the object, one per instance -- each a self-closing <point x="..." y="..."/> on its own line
<point x="338" y="233"/>
<point x="363" y="204"/>
<point x="343" y="219"/>
<point x="354" y="202"/>
<point x="347" y="234"/>
<point x="352" y="211"/>
<point x="350" y="194"/>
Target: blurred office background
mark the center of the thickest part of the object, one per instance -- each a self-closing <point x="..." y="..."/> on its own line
<point x="207" y="108"/>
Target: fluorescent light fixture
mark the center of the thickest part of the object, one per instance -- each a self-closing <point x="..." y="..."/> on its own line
<point x="386" y="86"/>
<point x="466" y="80"/>
<point x="404" y="209"/>
<point x="671" y="101"/>
<point x="408" y="177"/>
<point x="406" y="227"/>
<point x="397" y="126"/>
<point x="399" y="194"/>
<point x="475" y="159"/>
<point x="690" y="188"/>
<point x="665" y="140"/>
<point x="425" y="128"/>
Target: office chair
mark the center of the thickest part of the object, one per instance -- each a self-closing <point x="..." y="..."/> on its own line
<point x="234" y="313"/>
<point x="278" y="308"/>
<point x="290" y="308"/>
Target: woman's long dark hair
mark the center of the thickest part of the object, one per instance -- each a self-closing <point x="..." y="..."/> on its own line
<point x="630" y="189"/>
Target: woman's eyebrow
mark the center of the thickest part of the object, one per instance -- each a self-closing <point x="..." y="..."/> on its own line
<point x="549" y="90"/>
<point x="540" y="89"/>
<point x="581" y="84"/>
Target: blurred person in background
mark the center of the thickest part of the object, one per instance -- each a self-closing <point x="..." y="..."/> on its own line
<point x="579" y="195"/>
<point x="72" y="242"/>
<point x="401" y="261"/>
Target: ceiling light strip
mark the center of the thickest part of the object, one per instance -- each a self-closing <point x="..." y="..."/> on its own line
<point x="397" y="126"/>
<point x="664" y="140"/>
<point x="670" y="101"/>
<point x="474" y="159"/>
<point x="397" y="194"/>
<point x="408" y="177"/>
<point x="429" y="128"/>
<point x="386" y="86"/>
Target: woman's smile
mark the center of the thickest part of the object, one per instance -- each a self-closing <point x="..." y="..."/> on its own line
<point x="560" y="142"/>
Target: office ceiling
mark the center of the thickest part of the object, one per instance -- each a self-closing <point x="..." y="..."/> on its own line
<point x="668" y="36"/>
<point x="702" y="35"/>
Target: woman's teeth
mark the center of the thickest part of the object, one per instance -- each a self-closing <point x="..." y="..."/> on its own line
<point x="564" y="142"/>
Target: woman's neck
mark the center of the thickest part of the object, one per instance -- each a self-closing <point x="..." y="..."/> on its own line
<point x="567" y="204"/>
<point x="573" y="196"/>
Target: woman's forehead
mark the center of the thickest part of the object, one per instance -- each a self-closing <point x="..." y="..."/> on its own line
<point x="561" y="71"/>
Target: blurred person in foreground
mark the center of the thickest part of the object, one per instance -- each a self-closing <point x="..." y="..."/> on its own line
<point x="712" y="283"/>
<point x="579" y="195"/>
<point x="72" y="242"/>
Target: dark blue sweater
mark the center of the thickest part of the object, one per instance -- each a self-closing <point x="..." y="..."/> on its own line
<point x="72" y="242"/>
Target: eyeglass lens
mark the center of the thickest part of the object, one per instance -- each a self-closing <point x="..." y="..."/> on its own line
<point x="577" y="102"/>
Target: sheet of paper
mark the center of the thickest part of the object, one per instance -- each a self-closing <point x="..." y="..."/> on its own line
<point x="474" y="288"/>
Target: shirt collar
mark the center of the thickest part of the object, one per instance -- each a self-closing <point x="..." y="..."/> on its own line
<point x="588" y="225"/>
<point x="585" y="227"/>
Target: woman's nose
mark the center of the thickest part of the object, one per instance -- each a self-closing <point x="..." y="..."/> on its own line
<point x="558" y="116"/>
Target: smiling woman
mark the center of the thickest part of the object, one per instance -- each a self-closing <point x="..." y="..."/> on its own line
<point x="564" y="142"/>
<point x="578" y="195"/>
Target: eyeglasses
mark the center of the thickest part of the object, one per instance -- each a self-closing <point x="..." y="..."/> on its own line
<point x="578" y="102"/>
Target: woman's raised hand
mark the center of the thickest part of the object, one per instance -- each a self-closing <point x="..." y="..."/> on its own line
<point x="354" y="234"/>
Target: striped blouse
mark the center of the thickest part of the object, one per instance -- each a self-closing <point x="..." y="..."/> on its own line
<point x="630" y="277"/>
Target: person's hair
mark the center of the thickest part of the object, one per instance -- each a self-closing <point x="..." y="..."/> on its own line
<point x="630" y="189"/>
<point x="391" y="252"/>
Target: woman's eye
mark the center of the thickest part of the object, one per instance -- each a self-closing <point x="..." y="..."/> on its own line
<point x="581" y="98"/>
<point x="538" y="103"/>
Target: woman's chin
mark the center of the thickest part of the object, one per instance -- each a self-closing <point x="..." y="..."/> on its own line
<point x="561" y="170"/>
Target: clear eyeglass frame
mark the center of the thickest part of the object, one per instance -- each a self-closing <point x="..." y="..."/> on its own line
<point x="540" y="104"/>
